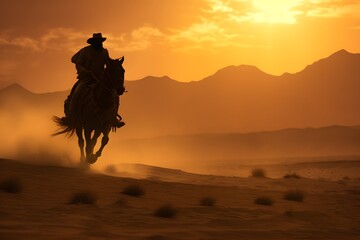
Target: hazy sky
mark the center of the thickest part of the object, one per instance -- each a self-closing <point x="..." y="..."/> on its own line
<point x="184" y="39"/>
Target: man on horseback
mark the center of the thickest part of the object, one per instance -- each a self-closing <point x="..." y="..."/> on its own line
<point x="90" y="64"/>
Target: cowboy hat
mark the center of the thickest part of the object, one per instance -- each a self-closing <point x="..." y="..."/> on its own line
<point x="97" y="37"/>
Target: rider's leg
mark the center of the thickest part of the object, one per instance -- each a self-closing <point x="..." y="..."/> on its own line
<point x="68" y="100"/>
<point x="117" y="118"/>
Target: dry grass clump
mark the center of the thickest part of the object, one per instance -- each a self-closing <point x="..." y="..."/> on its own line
<point x="354" y="191"/>
<point x="11" y="185"/>
<point x="258" y="172"/>
<point x="156" y="237"/>
<point x="134" y="190"/>
<point x="166" y="211"/>
<point x="121" y="202"/>
<point x="83" y="197"/>
<point x="292" y="175"/>
<point x="207" y="201"/>
<point x="294" y="195"/>
<point x="289" y="213"/>
<point x="264" y="200"/>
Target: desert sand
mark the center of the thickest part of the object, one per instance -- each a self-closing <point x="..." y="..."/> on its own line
<point x="41" y="209"/>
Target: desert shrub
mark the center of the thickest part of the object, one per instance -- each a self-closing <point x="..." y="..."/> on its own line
<point x="166" y="211"/>
<point x="134" y="190"/>
<point x="121" y="202"/>
<point x="294" y="195"/>
<point x="83" y="197"/>
<point x="156" y="237"/>
<point x="267" y="201"/>
<point x="258" y="172"/>
<point x="289" y="213"/>
<point x="292" y="175"/>
<point x="11" y="185"/>
<point x="207" y="201"/>
<point x="354" y="191"/>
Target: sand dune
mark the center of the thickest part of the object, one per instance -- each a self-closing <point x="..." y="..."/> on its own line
<point x="41" y="209"/>
<point x="317" y="169"/>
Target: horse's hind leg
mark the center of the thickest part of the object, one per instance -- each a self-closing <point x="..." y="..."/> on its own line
<point x="90" y="144"/>
<point x="81" y="143"/>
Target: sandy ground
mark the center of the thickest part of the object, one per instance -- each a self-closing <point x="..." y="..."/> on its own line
<point x="330" y="210"/>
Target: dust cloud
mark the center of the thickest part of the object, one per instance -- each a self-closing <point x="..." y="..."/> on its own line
<point x="26" y="128"/>
<point x="26" y="136"/>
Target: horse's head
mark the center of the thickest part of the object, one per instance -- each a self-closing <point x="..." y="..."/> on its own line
<point x="115" y="75"/>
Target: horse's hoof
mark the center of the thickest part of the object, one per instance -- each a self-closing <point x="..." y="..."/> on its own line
<point x="84" y="164"/>
<point x="91" y="158"/>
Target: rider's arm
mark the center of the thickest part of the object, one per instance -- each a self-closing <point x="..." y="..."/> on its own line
<point x="80" y="69"/>
<point x="79" y="59"/>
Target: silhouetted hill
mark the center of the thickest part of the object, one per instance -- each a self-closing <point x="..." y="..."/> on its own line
<point x="234" y="99"/>
<point x="14" y="89"/>
<point x="17" y="97"/>
<point x="232" y="73"/>
<point x="243" y="98"/>
<point x="339" y="62"/>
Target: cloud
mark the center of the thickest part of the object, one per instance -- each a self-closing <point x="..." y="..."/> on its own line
<point x="54" y="39"/>
<point x="217" y="6"/>
<point x="65" y="39"/>
<point x="255" y="11"/>
<point x="275" y="11"/>
<point x="137" y="40"/>
<point x="331" y="8"/>
<point x="202" y="33"/>
<point x="218" y="26"/>
<point x="356" y="27"/>
<point x="279" y="11"/>
<point x="22" y="42"/>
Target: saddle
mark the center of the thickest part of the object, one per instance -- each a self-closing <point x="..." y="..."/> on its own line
<point x="76" y="96"/>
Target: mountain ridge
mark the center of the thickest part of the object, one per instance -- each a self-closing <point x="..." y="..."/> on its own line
<point x="339" y="56"/>
<point x="235" y="99"/>
<point x="16" y="88"/>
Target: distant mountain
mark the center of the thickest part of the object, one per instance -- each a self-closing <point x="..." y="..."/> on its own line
<point x="234" y="99"/>
<point x="341" y="62"/>
<point x="243" y="98"/>
<point x="14" y="89"/>
<point x="17" y="97"/>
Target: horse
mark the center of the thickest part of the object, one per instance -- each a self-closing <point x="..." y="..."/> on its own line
<point x="94" y="112"/>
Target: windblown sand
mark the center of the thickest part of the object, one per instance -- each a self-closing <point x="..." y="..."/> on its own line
<point x="41" y="210"/>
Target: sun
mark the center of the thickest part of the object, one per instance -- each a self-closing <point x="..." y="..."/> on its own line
<point x="275" y="11"/>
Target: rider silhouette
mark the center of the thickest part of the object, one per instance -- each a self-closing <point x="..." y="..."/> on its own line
<point x="90" y="64"/>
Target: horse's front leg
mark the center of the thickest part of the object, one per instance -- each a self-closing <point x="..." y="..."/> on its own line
<point x="104" y="141"/>
<point x="90" y="145"/>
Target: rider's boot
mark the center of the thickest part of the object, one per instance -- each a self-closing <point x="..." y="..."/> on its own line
<point x="117" y="122"/>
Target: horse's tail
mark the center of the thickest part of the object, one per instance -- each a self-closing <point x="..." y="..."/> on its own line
<point x="65" y="126"/>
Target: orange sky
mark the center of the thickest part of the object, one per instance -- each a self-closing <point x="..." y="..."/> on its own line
<point x="184" y="39"/>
